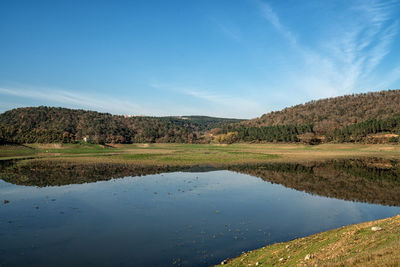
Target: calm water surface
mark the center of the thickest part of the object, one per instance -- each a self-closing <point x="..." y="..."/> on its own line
<point x="179" y="218"/>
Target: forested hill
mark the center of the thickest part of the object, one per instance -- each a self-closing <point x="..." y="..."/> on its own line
<point x="332" y="113"/>
<point x="370" y="117"/>
<point x="49" y="125"/>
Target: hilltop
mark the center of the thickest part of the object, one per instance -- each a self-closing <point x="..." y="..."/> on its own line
<point x="334" y="113"/>
<point x="52" y="125"/>
<point x="369" y="117"/>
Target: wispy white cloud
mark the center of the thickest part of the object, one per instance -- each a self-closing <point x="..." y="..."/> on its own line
<point x="390" y="78"/>
<point x="225" y="100"/>
<point x="93" y="101"/>
<point x="227" y="105"/>
<point x="226" y="26"/>
<point x="218" y="105"/>
<point x="347" y="60"/>
<point x="230" y="31"/>
<point x="273" y="18"/>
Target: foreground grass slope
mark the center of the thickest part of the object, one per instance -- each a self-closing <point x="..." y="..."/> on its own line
<point x="375" y="243"/>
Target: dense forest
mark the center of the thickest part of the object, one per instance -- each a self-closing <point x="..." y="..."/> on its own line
<point x="333" y="113"/>
<point x="278" y="133"/>
<point x="199" y="124"/>
<point x="368" y="131"/>
<point x="51" y="125"/>
<point x="368" y="118"/>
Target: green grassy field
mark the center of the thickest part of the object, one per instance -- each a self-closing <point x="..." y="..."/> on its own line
<point x="196" y="154"/>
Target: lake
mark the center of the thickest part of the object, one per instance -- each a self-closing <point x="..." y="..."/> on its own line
<point x="195" y="217"/>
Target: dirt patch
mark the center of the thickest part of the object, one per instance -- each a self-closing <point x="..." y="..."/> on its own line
<point x="144" y="145"/>
<point x="383" y="135"/>
<point x="116" y="145"/>
<point x="150" y="151"/>
<point x="387" y="149"/>
<point x="49" y="146"/>
<point x="381" y="165"/>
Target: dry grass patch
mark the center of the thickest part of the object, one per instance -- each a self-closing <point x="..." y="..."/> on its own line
<point x="149" y="151"/>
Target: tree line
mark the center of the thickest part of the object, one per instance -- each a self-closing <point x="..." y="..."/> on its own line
<point x="279" y="133"/>
<point x="364" y="131"/>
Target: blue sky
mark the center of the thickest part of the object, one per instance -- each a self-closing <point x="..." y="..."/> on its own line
<point x="226" y="58"/>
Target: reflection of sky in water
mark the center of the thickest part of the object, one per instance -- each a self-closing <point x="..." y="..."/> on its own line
<point x="182" y="218"/>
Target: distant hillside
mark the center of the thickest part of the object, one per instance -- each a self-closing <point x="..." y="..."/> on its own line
<point x="332" y="113"/>
<point x="49" y="125"/>
<point x="370" y="117"/>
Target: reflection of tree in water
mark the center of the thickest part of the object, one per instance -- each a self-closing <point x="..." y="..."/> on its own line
<point x="54" y="173"/>
<point x="365" y="180"/>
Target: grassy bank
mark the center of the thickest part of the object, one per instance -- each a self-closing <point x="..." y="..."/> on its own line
<point x="195" y="154"/>
<point x="375" y="243"/>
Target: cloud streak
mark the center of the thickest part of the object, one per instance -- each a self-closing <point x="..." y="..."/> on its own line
<point x="240" y="107"/>
<point x="229" y="30"/>
<point x="348" y="59"/>
<point x="73" y="99"/>
<point x="270" y="15"/>
<point x="218" y="105"/>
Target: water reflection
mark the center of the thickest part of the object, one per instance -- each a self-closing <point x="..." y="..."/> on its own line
<point x="55" y="173"/>
<point x="65" y="214"/>
<point x="178" y="218"/>
<point x="369" y="180"/>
